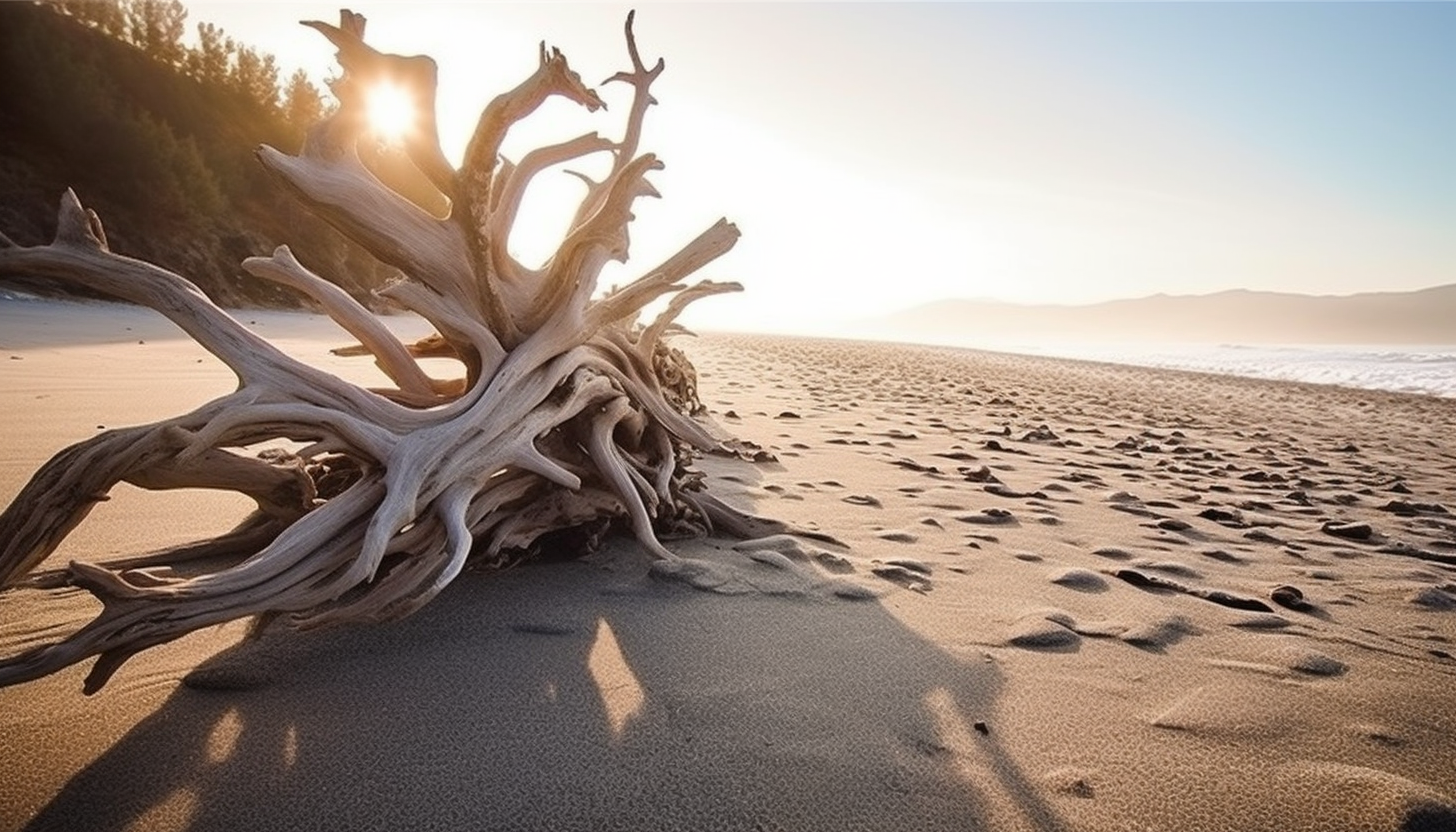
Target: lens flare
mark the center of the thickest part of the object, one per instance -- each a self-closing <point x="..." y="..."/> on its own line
<point x="391" y="112"/>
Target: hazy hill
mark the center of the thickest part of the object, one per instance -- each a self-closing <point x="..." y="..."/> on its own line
<point x="1427" y="316"/>
<point x="165" y="158"/>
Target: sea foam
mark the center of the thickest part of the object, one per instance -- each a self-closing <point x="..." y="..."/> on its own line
<point x="1404" y="368"/>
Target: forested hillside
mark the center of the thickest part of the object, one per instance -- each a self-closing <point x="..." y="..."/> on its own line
<point x="158" y="138"/>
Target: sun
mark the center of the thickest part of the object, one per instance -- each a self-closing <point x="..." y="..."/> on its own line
<point x="391" y="110"/>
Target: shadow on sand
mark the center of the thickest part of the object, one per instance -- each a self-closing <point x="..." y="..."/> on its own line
<point x="573" y="696"/>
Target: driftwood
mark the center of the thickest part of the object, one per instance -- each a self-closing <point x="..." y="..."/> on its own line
<point x="570" y="417"/>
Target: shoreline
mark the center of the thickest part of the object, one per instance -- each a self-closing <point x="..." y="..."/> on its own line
<point x="1129" y="354"/>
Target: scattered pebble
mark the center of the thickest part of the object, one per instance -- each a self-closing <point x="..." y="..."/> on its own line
<point x="1290" y="597"/>
<point x="1348" y="531"/>
<point x="1434" y="598"/>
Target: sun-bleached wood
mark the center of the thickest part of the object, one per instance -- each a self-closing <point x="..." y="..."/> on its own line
<point x="570" y="415"/>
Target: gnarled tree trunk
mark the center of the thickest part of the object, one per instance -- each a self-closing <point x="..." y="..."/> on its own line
<point x="571" y="415"/>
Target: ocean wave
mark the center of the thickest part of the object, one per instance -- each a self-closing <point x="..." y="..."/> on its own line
<point x="1423" y="369"/>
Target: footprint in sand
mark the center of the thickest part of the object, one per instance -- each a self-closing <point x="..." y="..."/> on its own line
<point x="1048" y="630"/>
<point x="862" y="500"/>
<point x="1157" y="635"/>
<point x="1304" y="660"/>
<point x="1082" y="580"/>
<point x="897" y="573"/>
<point x="898" y="536"/>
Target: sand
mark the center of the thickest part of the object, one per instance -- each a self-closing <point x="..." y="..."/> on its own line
<point x="1071" y="596"/>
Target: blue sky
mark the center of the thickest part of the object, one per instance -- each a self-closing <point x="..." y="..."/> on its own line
<point x="877" y="156"/>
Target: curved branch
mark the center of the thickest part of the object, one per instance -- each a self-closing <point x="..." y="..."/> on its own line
<point x="517" y="180"/>
<point x="389" y="353"/>
<point x="629" y="300"/>
<point x="647" y="342"/>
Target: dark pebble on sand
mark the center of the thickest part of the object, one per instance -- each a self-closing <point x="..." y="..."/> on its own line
<point x="1348" y="531"/>
<point x="982" y="474"/>
<point x="1290" y="597"/>
<point x="1408" y="509"/>
<point x="1139" y="579"/>
<point x="1433" y="598"/>
<point x="1232" y="601"/>
<point x="1219" y="515"/>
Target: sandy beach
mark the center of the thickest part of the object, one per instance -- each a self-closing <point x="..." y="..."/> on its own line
<point x="1069" y="596"/>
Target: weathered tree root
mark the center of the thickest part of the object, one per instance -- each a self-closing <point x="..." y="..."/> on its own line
<point x="571" y="416"/>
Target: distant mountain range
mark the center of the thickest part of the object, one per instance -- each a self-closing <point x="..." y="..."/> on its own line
<point x="1427" y="316"/>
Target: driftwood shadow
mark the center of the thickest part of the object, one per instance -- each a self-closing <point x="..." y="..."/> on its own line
<point x="572" y="696"/>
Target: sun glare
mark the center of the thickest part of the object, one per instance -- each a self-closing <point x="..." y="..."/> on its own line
<point x="391" y="112"/>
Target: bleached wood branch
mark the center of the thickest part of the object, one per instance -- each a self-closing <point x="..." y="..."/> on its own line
<point x="389" y="353"/>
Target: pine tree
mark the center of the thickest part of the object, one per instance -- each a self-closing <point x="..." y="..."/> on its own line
<point x="303" y="104"/>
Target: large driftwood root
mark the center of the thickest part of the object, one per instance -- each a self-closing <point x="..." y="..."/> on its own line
<point x="571" y="416"/>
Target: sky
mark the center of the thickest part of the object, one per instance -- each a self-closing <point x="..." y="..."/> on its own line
<point x="877" y="156"/>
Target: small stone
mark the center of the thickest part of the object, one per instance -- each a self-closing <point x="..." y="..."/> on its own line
<point x="1433" y="598"/>
<point x="1348" y="531"/>
<point x="1290" y="597"/>
<point x="1318" y="664"/>
<point x="1219" y="515"/>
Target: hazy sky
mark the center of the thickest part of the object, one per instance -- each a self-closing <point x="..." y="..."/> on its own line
<point x="877" y="156"/>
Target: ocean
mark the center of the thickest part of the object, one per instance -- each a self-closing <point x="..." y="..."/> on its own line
<point x="1403" y="368"/>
